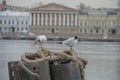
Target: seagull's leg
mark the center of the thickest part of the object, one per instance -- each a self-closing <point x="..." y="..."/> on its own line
<point x="70" y="47"/>
<point x="41" y="45"/>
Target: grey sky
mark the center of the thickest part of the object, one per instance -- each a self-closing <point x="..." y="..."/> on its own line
<point x="70" y="3"/>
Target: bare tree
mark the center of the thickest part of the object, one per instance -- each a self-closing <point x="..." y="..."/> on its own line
<point x="82" y="6"/>
<point x="119" y="3"/>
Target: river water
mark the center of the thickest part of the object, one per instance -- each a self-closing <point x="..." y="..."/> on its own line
<point x="103" y="57"/>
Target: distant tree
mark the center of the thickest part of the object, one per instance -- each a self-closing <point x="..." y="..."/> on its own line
<point x="37" y="4"/>
<point x="82" y="6"/>
<point x="119" y="3"/>
<point x="40" y="3"/>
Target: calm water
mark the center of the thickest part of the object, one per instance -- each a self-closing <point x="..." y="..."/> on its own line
<point x="103" y="57"/>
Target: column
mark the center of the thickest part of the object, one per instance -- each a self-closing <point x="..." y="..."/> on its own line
<point x="59" y="19"/>
<point x="42" y="19"/>
<point x="64" y="19"/>
<point x="38" y="18"/>
<point x="31" y="19"/>
<point x="72" y="19"/>
<point x="67" y="19"/>
<point x="46" y="20"/>
<point x="76" y="20"/>
<point x="55" y="19"/>
<point x="34" y="19"/>
<point x="50" y="19"/>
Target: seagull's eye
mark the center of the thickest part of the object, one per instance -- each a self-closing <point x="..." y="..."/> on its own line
<point x="76" y="37"/>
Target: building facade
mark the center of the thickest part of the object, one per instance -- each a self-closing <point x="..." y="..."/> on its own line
<point x="14" y="22"/>
<point x="1" y="7"/>
<point x="54" y="19"/>
<point x="118" y="21"/>
<point x="112" y="23"/>
<point x="97" y="22"/>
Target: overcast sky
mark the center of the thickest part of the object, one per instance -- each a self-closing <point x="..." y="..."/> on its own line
<point x="70" y="3"/>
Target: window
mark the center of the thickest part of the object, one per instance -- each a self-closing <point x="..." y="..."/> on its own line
<point x="5" y="22"/>
<point x="18" y="22"/>
<point x="97" y="30"/>
<point x="17" y="28"/>
<point x="5" y="8"/>
<point x="22" y="28"/>
<point x="97" y="22"/>
<point x="0" y="29"/>
<point x="9" y="28"/>
<point x="91" y="30"/>
<point x="9" y="22"/>
<point x="4" y="28"/>
<point x="109" y="23"/>
<point x="26" y="28"/>
<point x="12" y="21"/>
<point x="22" y="22"/>
<point x="0" y="21"/>
<point x="103" y="23"/>
<point x="114" y="23"/>
<point x="80" y="30"/>
<point x="109" y="31"/>
<point x="102" y="30"/>
<point x="85" y="23"/>
<point x="81" y="23"/>
<point x="26" y="22"/>
<point x="85" y="30"/>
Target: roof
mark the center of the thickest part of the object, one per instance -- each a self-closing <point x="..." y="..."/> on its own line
<point x="100" y="11"/>
<point x="16" y="8"/>
<point x="13" y="13"/>
<point x="53" y="6"/>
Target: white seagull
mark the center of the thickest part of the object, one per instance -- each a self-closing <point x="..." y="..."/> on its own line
<point x="40" y="40"/>
<point x="70" y="42"/>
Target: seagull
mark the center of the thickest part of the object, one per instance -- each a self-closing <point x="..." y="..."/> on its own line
<point x="40" y="40"/>
<point x="70" y="41"/>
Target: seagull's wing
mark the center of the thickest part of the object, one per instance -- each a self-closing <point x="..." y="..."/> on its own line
<point x="69" y="41"/>
<point x="43" y="39"/>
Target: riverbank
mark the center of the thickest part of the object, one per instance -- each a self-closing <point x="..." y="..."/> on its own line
<point x="55" y="37"/>
<point x="60" y="38"/>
